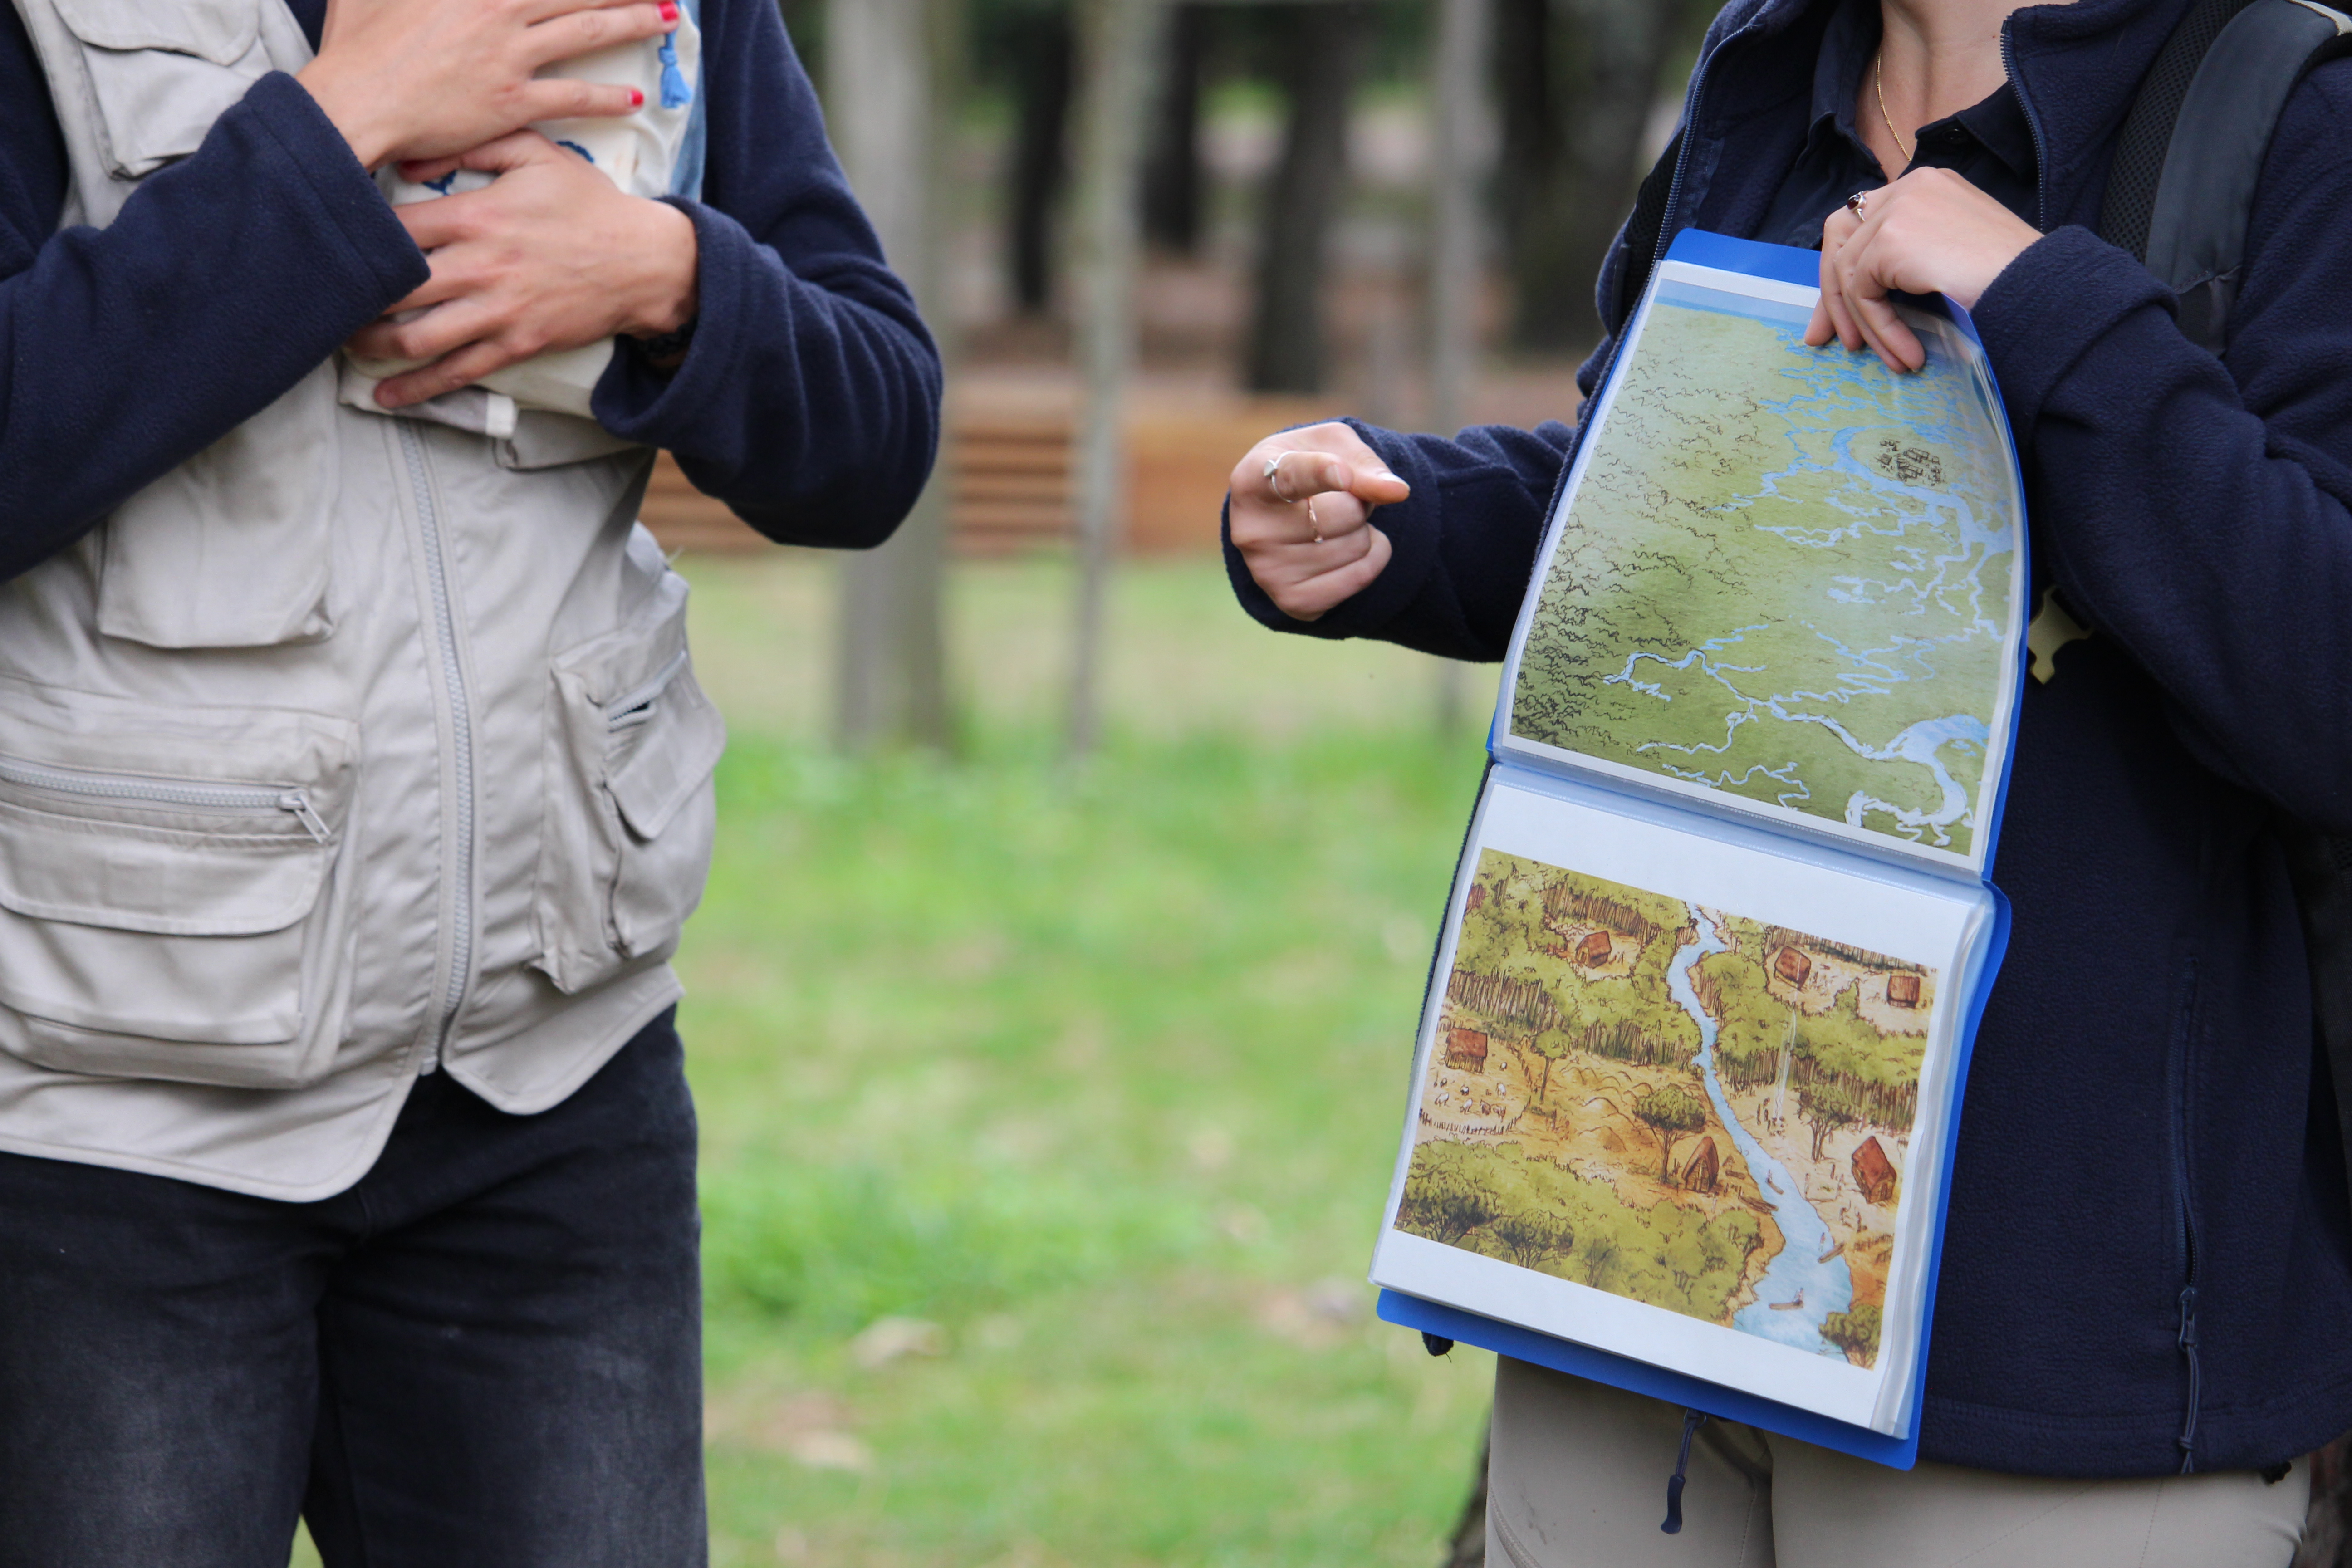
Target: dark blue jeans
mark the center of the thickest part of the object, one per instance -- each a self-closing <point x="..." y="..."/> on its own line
<point x="488" y="1353"/>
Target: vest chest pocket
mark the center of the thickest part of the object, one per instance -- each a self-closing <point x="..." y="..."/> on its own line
<point x="624" y="843"/>
<point x="161" y="73"/>
<point x="173" y="902"/>
<point x="235" y="548"/>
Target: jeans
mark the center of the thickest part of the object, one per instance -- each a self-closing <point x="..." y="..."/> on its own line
<point x="487" y="1352"/>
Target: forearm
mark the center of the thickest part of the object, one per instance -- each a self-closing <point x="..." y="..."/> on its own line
<point x="226" y="278"/>
<point x="2201" y="527"/>
<point x="809" y="401"/>
<point x="810" y="404"/>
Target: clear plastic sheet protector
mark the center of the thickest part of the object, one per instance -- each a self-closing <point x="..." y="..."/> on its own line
<point x="1690" y="1067"/>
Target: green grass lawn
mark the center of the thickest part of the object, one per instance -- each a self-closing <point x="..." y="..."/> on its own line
<point x="1084" y="1084"/>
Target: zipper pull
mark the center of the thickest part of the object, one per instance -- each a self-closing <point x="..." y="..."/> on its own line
<point x="295" y="801"/>
<point x="1692" y="1421"/>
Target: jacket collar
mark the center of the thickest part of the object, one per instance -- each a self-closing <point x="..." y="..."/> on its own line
<point x="2076" y="68"/>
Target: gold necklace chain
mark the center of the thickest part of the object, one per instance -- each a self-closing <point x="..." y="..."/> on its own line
<point x="1879" y="81"/>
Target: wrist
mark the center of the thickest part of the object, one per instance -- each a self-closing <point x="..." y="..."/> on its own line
<point x="671" y="297"/>
<point x="343" y="104"/>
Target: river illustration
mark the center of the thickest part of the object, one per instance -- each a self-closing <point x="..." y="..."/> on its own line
<point x="1798" y="1274"/>
<point x="1814" y="565"/>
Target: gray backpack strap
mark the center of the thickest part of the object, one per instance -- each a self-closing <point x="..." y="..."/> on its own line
<point x="2214" y="160"/>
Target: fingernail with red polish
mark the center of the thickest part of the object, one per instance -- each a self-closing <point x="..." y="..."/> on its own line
<point x="637" y="99"/>
<point x="669" y="11"/>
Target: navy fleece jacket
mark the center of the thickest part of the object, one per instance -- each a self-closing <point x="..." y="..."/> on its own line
<point x="809" y="402"/>
<point x="2149" y="1259"/>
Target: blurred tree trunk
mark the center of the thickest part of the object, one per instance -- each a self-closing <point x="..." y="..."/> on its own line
<point x="1467" y="1549"/>
<point x="2327" y="1531"/>
<point x="1041" y="86"/>
<point x="1578" y="79"/>
<point x="1120" y="41"/>
<point x="894" y="73"/>
<point x="1320" y="49"/>
<point x="1172" y="173"/>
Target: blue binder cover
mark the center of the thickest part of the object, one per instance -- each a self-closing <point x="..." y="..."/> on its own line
<point x="1689" y="1074"/>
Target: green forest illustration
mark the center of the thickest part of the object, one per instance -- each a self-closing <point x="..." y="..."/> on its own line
<point x="1566" y="1125"/>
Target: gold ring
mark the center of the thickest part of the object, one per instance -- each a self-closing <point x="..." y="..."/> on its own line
<point x="1855" y="202"/>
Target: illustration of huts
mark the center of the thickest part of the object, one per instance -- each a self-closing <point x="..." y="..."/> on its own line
<point x="1873" y="1173"/>
<point x="1703" y="1169"/>
<point x="1594" y="950"/>
<point x="1903" y="989"/>
<point x="1792" y="966"/>
<point x="1465" y="1049"/>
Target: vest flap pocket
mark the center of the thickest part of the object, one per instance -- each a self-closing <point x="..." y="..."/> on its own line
<point x="162" y="872"/>
<point x="162" y="73"/>
<point x="235" y="548"/>
<point x="625" y="841"/>
<point x="657" y="778"/>
<point x="221" y="31"/>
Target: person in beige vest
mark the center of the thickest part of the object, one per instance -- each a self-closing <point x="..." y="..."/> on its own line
<point x="354" y="781"/>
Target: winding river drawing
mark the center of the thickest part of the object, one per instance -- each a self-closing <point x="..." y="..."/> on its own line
<point x="1680" y="1105"/>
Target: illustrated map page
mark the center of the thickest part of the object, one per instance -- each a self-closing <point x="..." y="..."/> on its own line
<point x="1785" y="575"/>
<point x="1677" y="1104"/>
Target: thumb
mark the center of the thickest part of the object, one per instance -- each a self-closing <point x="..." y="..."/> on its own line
<point x="1370" y="480"/>
<point x="497" y="157"/>
<point x="510" y="153"/>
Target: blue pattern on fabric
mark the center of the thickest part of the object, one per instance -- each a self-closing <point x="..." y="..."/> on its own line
<point x="685" y="175"/>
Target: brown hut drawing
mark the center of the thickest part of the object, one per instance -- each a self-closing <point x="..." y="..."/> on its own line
<point x="1792" y="966"/>
<point x="1594" y="950"/>
<point x="1903" y="989"/>
<point x="1477" y="896"/>
<point x="1873" y="1173"/>
<point x="1465" y="1049"/>
<point x="1703" y="1170"/>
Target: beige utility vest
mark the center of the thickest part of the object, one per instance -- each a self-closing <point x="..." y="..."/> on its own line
<point x="355" y="747"/>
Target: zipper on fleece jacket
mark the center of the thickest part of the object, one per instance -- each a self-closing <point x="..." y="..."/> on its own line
<point x="2184" y="1028"/>
<point x="461" y="738"/>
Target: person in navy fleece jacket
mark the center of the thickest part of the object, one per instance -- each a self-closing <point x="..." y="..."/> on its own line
<point x="2150" y="1263"/>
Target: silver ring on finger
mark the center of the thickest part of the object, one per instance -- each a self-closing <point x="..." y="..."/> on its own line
<point x="1274" y="479"/>
<point x="1313" y="521"/>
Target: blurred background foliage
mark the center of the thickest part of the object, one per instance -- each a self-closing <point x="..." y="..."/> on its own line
<point x="1049" y="1103"/>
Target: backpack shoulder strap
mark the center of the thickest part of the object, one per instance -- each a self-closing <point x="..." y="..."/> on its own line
<point x="2195" y="236"/>
<point x="2147" y="130"/>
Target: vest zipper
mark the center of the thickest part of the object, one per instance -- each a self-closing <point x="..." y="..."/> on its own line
<point x="156" y="792"/>
<point x="461" y="740"/>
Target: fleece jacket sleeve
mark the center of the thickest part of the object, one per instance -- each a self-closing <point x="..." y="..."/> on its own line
<point x="2195" y="510"/>
<point x="225" y="280"/>
<point x="809" y="401"/>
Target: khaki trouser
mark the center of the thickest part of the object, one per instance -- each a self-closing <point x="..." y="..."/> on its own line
<point x="1579" y="1481"/>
